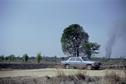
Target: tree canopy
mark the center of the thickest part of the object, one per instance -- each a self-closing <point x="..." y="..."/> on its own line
<point x="75" y="42"/>
<point x="90" y="48"/>
<point x="72" y="39"/>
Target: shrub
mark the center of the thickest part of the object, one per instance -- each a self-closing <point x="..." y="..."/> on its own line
<point x="1" y="57"/>
<point x="38" y="57"/>
<point x="25" y="57"/>
<point x="12" y="57"/>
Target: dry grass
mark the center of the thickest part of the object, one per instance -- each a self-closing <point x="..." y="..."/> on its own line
<point x="60" y="73"/>
<point x="22" y="80"/>
<point x="52" y="72"/>
<point x="80" y="77"/>
<point x="114" y="78"/>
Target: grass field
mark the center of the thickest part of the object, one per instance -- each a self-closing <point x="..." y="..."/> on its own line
<point x="52" y="72"/>
<point x="66" y="76"/>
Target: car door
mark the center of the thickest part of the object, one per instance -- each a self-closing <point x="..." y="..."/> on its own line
<point x="72" y="61"/>
<point x="78" y="62"/>
<point x="85" y="61"/>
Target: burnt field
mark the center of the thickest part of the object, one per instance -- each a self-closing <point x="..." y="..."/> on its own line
<point x="106" y="64"/>
<point x="25" y="66"/>
<point x="39" y="66"/>
<point x="30" y="64"/>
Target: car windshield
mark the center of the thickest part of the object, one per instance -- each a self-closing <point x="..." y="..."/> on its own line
<point x="85" y="58"/>
<point x="72" y="59"/>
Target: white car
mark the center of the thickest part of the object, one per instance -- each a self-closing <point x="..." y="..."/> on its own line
<point x="80" y="62"/>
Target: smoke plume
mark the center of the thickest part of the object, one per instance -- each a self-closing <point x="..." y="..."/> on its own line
<point x="116" y="44"/>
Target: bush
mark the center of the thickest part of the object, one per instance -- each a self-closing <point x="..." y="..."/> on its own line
<point x="38" y="57"/>
<point x="1" y="57"/>
<point x="25" y="57"/>
<point x="12" y="58"/>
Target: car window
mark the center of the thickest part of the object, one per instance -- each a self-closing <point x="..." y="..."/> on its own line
<point x="85" y="58"/>
<point x="72" y="59"/>
<point x="78" y="59"/>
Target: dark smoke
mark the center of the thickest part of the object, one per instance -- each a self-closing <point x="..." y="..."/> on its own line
<point x="117" y="41"/>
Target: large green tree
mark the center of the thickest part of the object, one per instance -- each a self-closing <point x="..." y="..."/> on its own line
<point x="90" y="48"/>
<point x="73" y="39"/>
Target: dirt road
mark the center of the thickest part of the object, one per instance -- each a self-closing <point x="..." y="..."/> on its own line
<point x="53" y="72"/>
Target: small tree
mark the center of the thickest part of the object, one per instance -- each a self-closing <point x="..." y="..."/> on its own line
<point x="12" y="57"/>
<point x="1" y="57"/>
<point x="55" y="58"/>
<point x="90" y="48"/>
<point x="6" y="58"/>
<point x="38" y="57"/>
<point x="25" y="57"/>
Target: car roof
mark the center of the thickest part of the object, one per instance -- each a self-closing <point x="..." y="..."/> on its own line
<point x="75" y="57"/>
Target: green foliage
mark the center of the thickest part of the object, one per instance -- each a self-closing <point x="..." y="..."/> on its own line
<point x="72" y="39"/>
<point x="12" y="57"/>
<point x="38" y="57"/>
<point x="2" y="58"/>
<point x="25" y="57"/>
<point x="90" y="48"/>
<point x="6" y="58"/>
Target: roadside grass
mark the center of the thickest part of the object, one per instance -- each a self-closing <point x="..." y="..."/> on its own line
<point x="81" y="77"/>
<point x="114" y="78"/>
<point x="111" y="77"/>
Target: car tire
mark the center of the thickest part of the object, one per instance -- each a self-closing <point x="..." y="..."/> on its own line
<point x="97" y="68"/>
<point x="88" y="67"/>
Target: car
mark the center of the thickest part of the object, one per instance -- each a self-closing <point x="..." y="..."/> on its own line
<point x="80" y="62"/>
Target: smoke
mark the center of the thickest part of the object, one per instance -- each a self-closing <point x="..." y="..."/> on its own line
<point x="116" y="44"/>
<point x="110" y="45"/>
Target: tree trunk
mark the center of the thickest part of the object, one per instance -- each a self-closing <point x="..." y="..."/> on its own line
<point x="89" y="56"/>
<point x="77" y="52"/>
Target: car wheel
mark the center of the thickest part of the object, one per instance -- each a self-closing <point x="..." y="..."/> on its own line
<point x="67" y="66"/>
<point x="97" y="68"/>
<point x="89" y="67"/>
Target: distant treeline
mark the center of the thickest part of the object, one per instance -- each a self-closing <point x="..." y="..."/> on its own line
<point x="23" y="58"/>
<point x="39" y="59"/>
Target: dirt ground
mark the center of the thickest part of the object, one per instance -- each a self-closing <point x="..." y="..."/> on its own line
<point x="52" y="72"/>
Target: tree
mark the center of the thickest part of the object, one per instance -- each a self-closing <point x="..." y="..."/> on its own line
<point x="38" y="57"/>
<point x="12" y="57"/>
<point x="25" y="57"/>
<point x="90" y="48"/>
<point x="72" y="39"/>
<point x="2" y="58"/>
<point x="6" y="58"/>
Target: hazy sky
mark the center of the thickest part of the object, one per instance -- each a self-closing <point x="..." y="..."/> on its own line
<point x="32" y="26"/>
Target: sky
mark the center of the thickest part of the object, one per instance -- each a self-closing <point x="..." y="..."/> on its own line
<point x="32" y="26"/>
